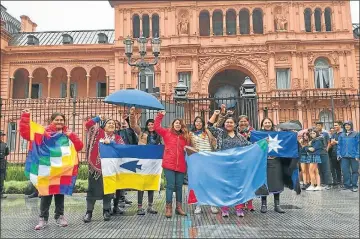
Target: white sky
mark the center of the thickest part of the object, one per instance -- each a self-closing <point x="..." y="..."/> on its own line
<point x="81" y="15"/>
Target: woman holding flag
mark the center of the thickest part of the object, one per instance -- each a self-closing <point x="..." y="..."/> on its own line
<point x="174" y="165"/>
<point x="58" y="136"/>
<point x="105" y="133"/>
<point x="148" y="137"/>
<point x="228" y="138"/>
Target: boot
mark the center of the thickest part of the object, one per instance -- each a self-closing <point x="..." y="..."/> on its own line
<point x="87" y="217"/>
<point x="106" y="215"/>
<point x="277" y="207"/>
<point x="168" y="212"/>
<point x="263" y="208"/>
<point x="179" y="210"/>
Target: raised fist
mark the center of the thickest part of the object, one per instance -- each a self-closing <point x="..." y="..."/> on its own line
<point x="163" y="112"/>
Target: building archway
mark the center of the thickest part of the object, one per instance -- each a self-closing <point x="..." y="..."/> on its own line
<point x="19" y="88"/>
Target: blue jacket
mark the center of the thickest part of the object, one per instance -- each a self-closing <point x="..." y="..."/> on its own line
<point x="349" y="144"/>
<point x="318" y="144"/>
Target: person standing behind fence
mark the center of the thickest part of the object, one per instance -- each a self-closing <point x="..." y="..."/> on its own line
<point x="56" y="126"/>
<point x="4" y="151"/>
<point x="348" y="152"/>
<point x="149" y="136"/>
<point x="227" y="138"/>
<point x="174" y="165"/>
<point x="97" y="134"/>
<point x="324" y="166"/>
<point x="314" y="149"/>
<point x="202" y="140"/>
<point x="333" y="145"/>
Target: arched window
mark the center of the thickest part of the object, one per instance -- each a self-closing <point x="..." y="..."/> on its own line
<point x="307" y="17"/>
<point x="136" y="26"/>
<point x="317" y="19"/>
<point x="328" y="19"/>
<point x="244" y="20"/>
<point x="323" y="74"/>
<point x="217" y="23"/>
<point x="230" y="22"/>
<point x="257" y="18"/>
<point x="148" y="82"/>
<point x="326" y="117"/>
<point x="146" y="25"/>
<point x="155" y="25"/>
<point x="204" y="23"/>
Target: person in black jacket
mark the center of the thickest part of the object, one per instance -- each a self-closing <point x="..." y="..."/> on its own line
<point x="4" y="151"/>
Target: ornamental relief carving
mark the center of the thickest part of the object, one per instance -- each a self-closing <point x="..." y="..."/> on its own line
<point x="238" y="49"/>
<point x="180" y="51"/>
<point x="282" y="59"/>
<point x="184" y="62"/>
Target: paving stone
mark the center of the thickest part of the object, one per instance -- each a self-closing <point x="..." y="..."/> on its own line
<point x="331" y="214"/>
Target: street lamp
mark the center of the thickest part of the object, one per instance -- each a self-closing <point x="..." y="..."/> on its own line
<point x="142" y="64"/>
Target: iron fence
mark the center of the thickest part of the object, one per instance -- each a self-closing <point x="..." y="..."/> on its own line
<point x="308" y="109"/>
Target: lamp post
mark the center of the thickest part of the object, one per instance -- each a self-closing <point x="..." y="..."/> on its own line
<point x="142" y="64"/>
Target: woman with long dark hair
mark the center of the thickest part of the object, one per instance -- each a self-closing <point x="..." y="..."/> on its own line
<point x="202" y="140"/>
<point x="315" y="145"/>
<point x="56" y="127"/>
<point x="174" y="165"/>
<point x="228" y="138"/>
<point x="148" y="137"/>
<point x="274" y="173"/>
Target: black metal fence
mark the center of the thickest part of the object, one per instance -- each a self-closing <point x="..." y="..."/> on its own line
<point x="280" y="107"/>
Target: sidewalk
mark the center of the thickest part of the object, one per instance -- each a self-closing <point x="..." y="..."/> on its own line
<point x="330" y="214"/>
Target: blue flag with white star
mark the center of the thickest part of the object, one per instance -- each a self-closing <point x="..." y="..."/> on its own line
<point x="282" y="144"/>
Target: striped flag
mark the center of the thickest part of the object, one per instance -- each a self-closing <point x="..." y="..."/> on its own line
<point x="131" y="166"/>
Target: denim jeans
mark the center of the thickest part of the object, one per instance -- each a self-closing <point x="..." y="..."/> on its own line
<point x="174" y="182"/>
<point x="324" y="170"/>
<point x="350" y="177"/>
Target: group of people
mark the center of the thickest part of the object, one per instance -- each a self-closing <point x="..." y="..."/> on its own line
<point x="222" y="131"/>
<point x="330" y="159"/>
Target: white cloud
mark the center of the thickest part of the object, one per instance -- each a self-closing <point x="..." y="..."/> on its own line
<point x="81" y="15"/>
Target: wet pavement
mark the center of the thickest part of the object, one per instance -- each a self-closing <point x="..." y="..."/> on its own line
<point x="330" y="214"/>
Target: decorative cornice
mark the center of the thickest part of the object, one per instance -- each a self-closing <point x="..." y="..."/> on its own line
<point x="56" y="61"/>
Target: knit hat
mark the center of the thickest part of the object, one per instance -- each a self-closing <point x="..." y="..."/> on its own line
<point x="104" y="122"/>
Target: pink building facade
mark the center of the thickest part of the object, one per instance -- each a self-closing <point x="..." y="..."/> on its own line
<point x="300" y="48"/>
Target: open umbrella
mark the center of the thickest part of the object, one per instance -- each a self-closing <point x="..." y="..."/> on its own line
<point x="289" y="126"/>
<point x="136" y="98"/>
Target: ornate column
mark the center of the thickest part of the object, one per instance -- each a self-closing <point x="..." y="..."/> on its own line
<point x="301" y="17"/>
<point x="194" y="26"/>
<point x="311" y="77"/>
<point x="107" y="85"/>
<point x="30" y="86"/>
<point x="291" y="19"/>
<point x="300" y="111"/>
<point x="87" y="85"/>
<point x="305" y="70"/>
<point x="251" y="23"/>
<point x="211" y="25"/>
<point x="162" y="23"/>
<point x="49" y="87"/>
<point x="150" y="26"/>
<point x="323" y="26"/>
<point x="141" y="25"/>
<point x="166" y="19"/>
<point x="344" y="15"/>
<point x="271" y="70"/>
<point x="173" y="70"/>
<point x="224" y="24"/>
<point x="270" y="25"/>
<point x="120" y="83"/>
<point x="163" y="74"/>
<point x="119" y="18"/>
<point x="349" y="65"/>
<point x="312" y="20"/>
<point x="195" y="66"/>
<point x="129" y="23"/>
<point x="68" y="87"/>
<point x="128" y="76"/>
<point x="294" y="72"/>
<point x="11" y="87"/>
<point x="237" y="23"/>
<point x="342" y="69"/>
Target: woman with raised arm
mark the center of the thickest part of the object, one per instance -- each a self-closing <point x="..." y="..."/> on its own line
<point x="274" y="173"/>
<point x="174" y="165"/>
<point x="148" y="137"/>
<point x="98" y="134"/>
<point x="56" y="127"/>
<point x="202" y="140"/>
<point x="228" y="138"/>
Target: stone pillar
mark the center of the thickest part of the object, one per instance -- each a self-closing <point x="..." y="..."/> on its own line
<point x="129" y="23"/>
<point x="68" y="87"/>
<point x="301" y="17"/>
<point x="128" y="77"/>
<point x="49" y="87"/>
<point x="195" y="25"/>
<point x="323" y="26"/>
<point x="313" y="20"/>
<point x="342" y="70"/>
<point x="87" y="85"/>
<point x="173" y="70"/>
<point x="349" y="64"/>
<point x="291" y="21"/>
<point x="271" y="70"/>
<point x="305" y="63"/>
<point x="211" y="25"/>
<point x="344" y="13"/>
<point x="119" y="71"/>
<point x="300" y="112"/>
<point x="107" y="85"/>
<point x="251" y="23"/>
<point x="11" y="87"/>
<point x="162" y="23"/>
<point x="237" y="23"/>
<point x="163" y="73"/>
<point x="311" y="77"/>
<point x="150" y="26"/>
<point x="224" y="24"/>
<point x="270" y="25"/>
<point x="195" y="66"/>
<point x="141" y="25"/>
<point x="30" y="86"/>
<point x="294" y="72"/>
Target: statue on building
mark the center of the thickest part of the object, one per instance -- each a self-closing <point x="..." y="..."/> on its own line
<point x="183" y="25"/>
<point x="281" y="22"/>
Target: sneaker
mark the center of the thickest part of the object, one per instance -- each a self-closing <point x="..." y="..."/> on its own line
<point x="197" y="210"/>
<point x="61" y="221"/>
<point x="310" y="188"/>
<point x="240" y="213"/>
<point x="141" y="211"/>
<point x="354" y="190"/>
<point x="42" y="224"/>
<point x="127" y="202"/>
<point x="225" y="213"/>
<point x="151" y="210"/>
<point x="327" y="187"/>
<point x="106" y="215"/>
<point x="318" y="188"/>
<point x="118" y="210"/>
<point x="214" y="210"/>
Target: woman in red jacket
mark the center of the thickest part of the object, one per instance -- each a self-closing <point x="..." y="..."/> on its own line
<point x="57" y="125"/>
<point x="174" y="165"/>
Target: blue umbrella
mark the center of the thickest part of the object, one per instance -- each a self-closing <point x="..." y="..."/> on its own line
<point x="136" y="98"/>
